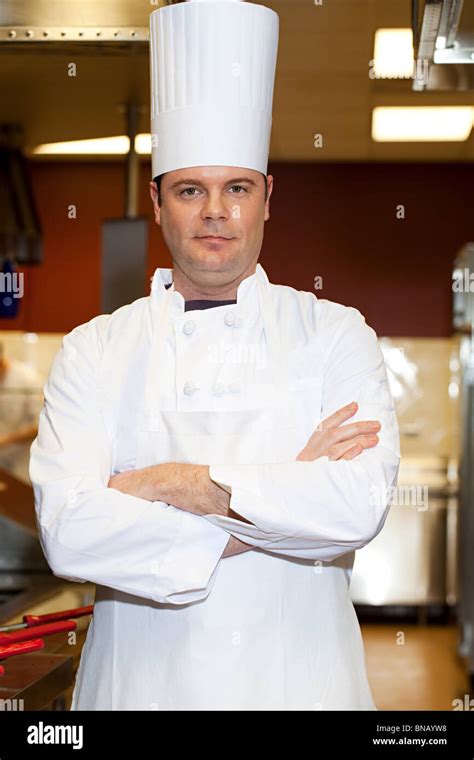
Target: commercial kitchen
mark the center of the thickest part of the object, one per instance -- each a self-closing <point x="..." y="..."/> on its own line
<point x="371" y="154"/>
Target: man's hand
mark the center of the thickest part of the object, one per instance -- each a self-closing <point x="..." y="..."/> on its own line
<point x="335" y="442"/>
<point x="235" y="546"/>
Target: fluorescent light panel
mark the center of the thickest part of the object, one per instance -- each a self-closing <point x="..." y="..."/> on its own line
<point x="422" y="123"/>
<point x="100" y="146"/>
<point x="393" y="54"/>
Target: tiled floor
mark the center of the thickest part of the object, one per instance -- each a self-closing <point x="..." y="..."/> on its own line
<point x="414" y="667"/>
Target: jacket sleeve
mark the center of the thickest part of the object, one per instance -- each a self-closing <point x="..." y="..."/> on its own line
<point x="324" y="508"/>
<point x="90" y="532"/>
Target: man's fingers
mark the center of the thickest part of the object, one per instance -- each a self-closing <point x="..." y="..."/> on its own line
<point x="353" y="452"/>
<point x="340" y="450"/>
<point x="364" y="427"/>
<point x="346" y="432"/>
<point x="337" y="418"/>
<point x="337" y="451"/>
<point x="332" y="436"/>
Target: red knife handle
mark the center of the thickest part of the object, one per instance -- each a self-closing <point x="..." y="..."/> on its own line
<point x="22" y="647"/>
<point x="38" y="630"/>
<point x="61" y="615"/>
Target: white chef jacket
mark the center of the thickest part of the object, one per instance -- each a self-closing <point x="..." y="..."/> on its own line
<point x="240" y="387"/>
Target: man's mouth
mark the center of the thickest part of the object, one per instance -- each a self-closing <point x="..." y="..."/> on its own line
<point x="214" y="238"/>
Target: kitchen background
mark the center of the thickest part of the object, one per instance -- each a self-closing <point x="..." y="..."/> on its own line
<point x="384" y="219"/>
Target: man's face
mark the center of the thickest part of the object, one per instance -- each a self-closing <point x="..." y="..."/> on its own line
<point x="221" y="201"/>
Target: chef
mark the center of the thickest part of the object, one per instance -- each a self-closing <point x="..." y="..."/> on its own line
<point x="212" y="455"/>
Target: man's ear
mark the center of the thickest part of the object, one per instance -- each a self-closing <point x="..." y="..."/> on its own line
<point x="154" y="198"/>
<point x="267" y="202"/>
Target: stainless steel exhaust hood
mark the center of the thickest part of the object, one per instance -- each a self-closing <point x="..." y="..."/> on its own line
<point x="34" y="22"/>
<point x="32" y="28"/>
<point x="443" y="33"/>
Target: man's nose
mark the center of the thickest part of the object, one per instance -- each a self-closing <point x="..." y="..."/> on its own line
<point x="214" y="207"/>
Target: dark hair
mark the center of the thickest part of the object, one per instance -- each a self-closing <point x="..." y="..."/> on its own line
<point x="158" y="178"/>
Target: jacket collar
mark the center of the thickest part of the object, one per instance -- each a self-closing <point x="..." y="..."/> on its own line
<point x="163" y="276"/>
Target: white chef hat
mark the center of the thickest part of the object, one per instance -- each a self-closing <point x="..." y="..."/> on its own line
<point x="212" y="67"/>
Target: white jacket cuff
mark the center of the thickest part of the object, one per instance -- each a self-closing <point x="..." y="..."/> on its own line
<point x="188" y="570"/>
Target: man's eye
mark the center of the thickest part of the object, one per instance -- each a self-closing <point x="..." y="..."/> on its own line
<point x="192" y="189"/>
<point x="239" y="187"/>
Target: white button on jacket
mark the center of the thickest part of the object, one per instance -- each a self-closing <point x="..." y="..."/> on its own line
<point x="189" y="327"/>
<point x="174" y="625"/>
<point x="189" y="388"/>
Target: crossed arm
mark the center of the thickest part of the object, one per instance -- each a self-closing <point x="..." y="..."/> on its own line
<point x="160" y="532"/>
<point x="189" y="486"/>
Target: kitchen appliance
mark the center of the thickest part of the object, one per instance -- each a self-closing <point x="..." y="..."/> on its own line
<point x="410" y="567"/>
<point x="443" y="36"/>
<point x="463" y="324"/>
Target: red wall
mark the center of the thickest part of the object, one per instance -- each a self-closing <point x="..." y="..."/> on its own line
<point x="334" y="220"/>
